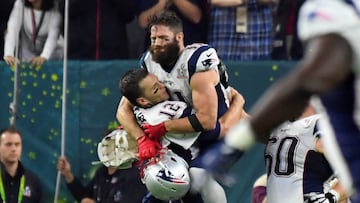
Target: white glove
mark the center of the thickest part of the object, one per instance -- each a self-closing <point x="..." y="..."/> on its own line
<point x="241" y="136"/>
<point x="331" y="197"/>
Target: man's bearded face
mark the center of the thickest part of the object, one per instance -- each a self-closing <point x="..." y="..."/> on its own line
<point x="166" y="54"/>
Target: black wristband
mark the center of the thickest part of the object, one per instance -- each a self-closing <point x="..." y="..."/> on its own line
<point x="195" y="123"/>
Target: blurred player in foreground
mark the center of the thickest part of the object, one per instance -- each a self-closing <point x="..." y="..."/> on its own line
<point x="330" y="69"/>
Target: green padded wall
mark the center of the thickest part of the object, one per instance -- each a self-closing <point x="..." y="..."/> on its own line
<point x="92" y="99"/>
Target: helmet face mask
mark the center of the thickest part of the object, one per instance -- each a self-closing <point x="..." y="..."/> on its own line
<point x="166" y="176"/>
<point x="115" y="150"/>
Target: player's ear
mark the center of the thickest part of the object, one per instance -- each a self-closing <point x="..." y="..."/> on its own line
<point x="143" y="102"/>
<point x="179" y="36"/>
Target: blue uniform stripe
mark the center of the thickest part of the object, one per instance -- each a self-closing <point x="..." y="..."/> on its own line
<point x="222" y="106"/>
<point x="142" y="61"/>
<point x="186" y="112"/>
<point x="316" y="171"/>
<point x="351" y="3"/>
<point x="341" y="114"/>
<point x="194" y="58"/>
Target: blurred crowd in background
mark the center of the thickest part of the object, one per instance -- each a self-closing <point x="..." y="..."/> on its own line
<point x="240" y="30"/>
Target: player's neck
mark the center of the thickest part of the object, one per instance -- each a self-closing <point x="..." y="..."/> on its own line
<point x="173" y="62"/>
<point x="169" y="65"/>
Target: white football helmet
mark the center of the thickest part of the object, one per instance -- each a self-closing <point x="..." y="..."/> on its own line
<point x="115" y="150"/>
<point x="166" y="176"/>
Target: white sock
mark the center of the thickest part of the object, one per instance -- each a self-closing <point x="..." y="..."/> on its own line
<point x="210" y="190"/>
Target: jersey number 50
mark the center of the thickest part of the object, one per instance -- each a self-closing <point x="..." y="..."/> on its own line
<point x="283" y="156"/>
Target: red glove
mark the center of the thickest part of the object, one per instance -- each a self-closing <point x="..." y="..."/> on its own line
<point x="155" y="132"/>
<point x="147" y="148"/>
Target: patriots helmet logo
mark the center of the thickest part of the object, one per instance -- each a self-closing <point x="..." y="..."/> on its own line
<point x="207" y="62"/>
<point x="166" y="175"/>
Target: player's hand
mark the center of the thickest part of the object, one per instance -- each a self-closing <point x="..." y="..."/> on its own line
<point x="147" y="147"/>
<point x="37" y="61"/>
<point x="241" y="136"/>
<point x="314" y="197"/>
<point x="155" y="132"/>
<point x="11" y="61"/>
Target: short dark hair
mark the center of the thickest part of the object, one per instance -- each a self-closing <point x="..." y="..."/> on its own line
<point x="129" y="84"/>
<point x="10" y="129"/>
<point x="167" y="18"/>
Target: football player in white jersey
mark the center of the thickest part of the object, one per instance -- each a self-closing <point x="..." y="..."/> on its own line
<point x="153" y="107"/>
<point x="296" y="171"/>
<point x="190" y="74"/>
<point x="330" y="70"/>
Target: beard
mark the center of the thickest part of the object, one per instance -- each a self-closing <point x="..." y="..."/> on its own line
<point x="168" y="55"/>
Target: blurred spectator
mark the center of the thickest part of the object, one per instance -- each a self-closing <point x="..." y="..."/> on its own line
<point x="97" y="29"/>
<point x="116" y="180"/>
<point x="241" y="30"/>
<point x="17" y="183"/>
<point x="287" y="45"/>
<point x="136" y="41"/>
<point x="193" y="13"/>
<point x="37" y="24"/>
<point x="5" y="10"/>
<point x="259" y="190"/>
<point x="109" y="184"/>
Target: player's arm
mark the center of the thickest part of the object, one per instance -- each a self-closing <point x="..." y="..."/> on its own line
<point x="205" y="103"/>
<point x="334" y="184"/>
<point x="341" y="190"/>
<point x="126" y="117"/>
<point x="326" y="63"/>
<point x="237" y="102"/>
<point x="147" y="147"/>
<point x="234" y="113"/>
<point x="336" y="194"/>
<point x="204" y="97"/>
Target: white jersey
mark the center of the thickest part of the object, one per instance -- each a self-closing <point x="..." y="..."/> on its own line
<point x="195" y="58"/>
<point x="287" y="157"/>
<point x="20" y="20"/>
<point x="164" y="111"/>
